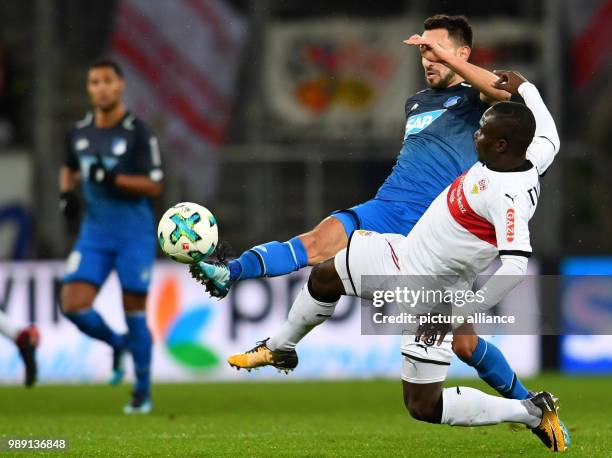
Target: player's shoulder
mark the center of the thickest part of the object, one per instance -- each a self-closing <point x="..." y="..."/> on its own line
<point x="422" y="94"/>
<point x="465" y="86"/>
<point x="465" y="89"/>
<point x="451" y="95"/>
<point x="83" y="123"/>
<point x="136" y="127"/>
<point x="513" y="186"/>
<point x="133" y="123"/>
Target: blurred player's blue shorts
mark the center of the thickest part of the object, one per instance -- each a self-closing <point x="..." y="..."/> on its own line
<point x="92" y="260"/>
<point x="383" y="216"/>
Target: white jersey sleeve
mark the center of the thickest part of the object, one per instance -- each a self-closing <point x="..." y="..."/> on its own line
<point x="545" y="144"/>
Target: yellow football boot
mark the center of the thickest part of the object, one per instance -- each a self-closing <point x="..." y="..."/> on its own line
<point x="551" y="431"/>
<point x="261" y="355"/>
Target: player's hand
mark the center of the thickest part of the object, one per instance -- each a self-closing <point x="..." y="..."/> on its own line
<point x="430" y="50"/>
<point x="70" y="205"/>
<point x="508" y="81"/>
<point x="433" y="331"/>
<point x="98" y="173"/>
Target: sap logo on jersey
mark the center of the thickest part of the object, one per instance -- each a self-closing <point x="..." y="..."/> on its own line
<point x="417" y="123"/>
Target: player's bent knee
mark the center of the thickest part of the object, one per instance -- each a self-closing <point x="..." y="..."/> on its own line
<point x="463" y="348"/>
<point x="463" y="352"/>
<point x="324" y="283"/>
<point x="423" y="402"/>
<point x="76" y="297"/>
<point x="134" y="302"/>
<point x="422" y="410"/>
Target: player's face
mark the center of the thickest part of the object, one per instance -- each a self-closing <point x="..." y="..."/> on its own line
<point x="484" y="138"/>
<point x="105" y="88"/>
<point x="437" y="75"/>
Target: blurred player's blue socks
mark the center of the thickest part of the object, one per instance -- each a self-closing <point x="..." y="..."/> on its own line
<point x="91" y="323"/>
<point x="270" y="259"/>
<point x="493" y="368"/>
<point x="140" y="345"/>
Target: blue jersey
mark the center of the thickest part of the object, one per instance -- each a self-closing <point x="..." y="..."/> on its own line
<point x="127" y="148"/>
<point x="438" y="144"/>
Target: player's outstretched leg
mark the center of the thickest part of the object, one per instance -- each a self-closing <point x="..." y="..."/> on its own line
<point x="26" y="340"/>
<point x="464" y="406"/>
<point x="273" y="259"/>
<point x="140" y="345"/>
<point x="314" y="304"/>
<point x="77" y="301"/>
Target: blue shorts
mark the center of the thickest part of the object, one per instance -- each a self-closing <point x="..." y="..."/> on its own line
<point x="383" y="216"/>
<point x="92" y="261"/>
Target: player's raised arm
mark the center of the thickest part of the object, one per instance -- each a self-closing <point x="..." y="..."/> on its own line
<point x="546" y="142"/>
<point x="457" y="61"/>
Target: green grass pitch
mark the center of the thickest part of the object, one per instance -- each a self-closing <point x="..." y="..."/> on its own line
<point x="359" y="418"/>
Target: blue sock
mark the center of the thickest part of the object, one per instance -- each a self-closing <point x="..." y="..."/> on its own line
<point x="270" y="260"/>
<point x="493" y="368"/>
<point x="91" y="323"/>
<point x="140" y="345"/>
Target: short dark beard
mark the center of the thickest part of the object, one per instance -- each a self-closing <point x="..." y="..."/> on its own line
<point x="108" y="108"/>
<point x="444" y="82"/>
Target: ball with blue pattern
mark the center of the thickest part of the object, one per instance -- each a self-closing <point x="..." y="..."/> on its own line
<point x="188" y="233"/>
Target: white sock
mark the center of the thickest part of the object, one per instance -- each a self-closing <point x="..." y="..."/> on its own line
<point x="306" y="313"/>
<point x="6" y="327"/>
<point x="463" y="406"/>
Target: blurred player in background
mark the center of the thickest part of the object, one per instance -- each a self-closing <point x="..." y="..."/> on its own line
<point x="26" y="340"/>
<point x="461" y="233"/>
<point x="114" y="157"/>
<point x="438" y="147"/>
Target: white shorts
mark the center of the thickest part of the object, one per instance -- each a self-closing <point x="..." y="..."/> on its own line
<point x="422" y="363"/>
<point x="373" y="254"/>
<point x="367" y="253"/>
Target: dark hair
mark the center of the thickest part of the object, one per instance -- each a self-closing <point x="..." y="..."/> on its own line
<point x="516" y="124"/>
<point x="107" y="63"/>
<point x="458" y="27"/>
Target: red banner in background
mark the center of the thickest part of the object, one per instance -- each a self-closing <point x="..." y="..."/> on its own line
<point x="592" y="47"/>
<point x="181" y="62"/>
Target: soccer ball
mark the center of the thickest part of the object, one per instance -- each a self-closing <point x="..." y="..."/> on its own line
<point x="188" y="233"/>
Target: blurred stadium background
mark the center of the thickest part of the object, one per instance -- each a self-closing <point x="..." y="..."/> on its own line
<point x="272" y="114"/>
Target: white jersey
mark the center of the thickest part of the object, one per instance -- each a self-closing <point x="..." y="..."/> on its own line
<point x="481" y="215"/>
